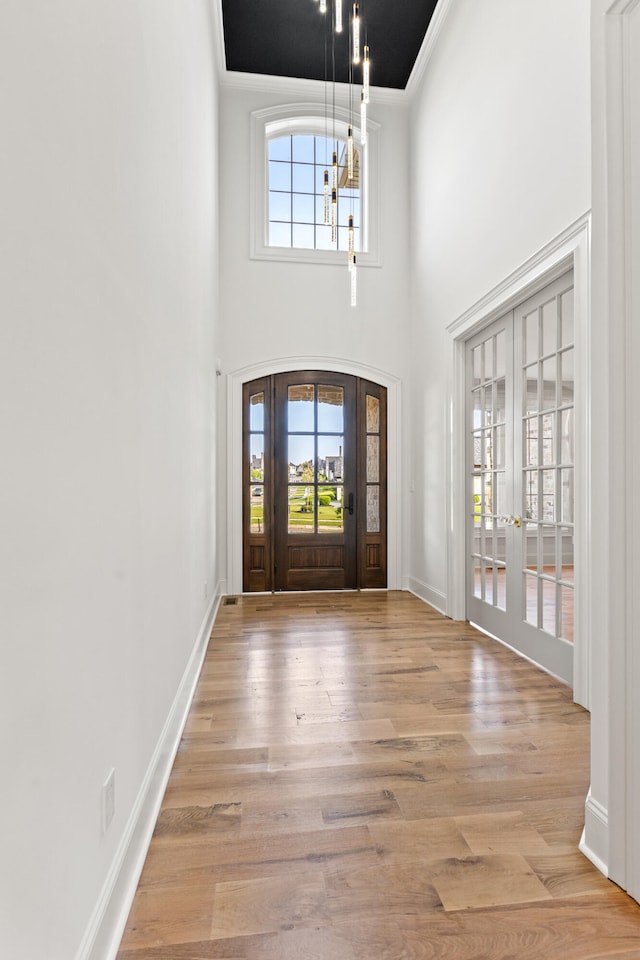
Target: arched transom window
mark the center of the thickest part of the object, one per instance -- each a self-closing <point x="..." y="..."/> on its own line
<point x="291" y="149"/>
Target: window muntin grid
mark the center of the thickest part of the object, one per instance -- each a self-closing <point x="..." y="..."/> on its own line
<point x="295" y="180"/>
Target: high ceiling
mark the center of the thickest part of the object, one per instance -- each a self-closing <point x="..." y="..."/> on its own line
<point x="288" y="38"/>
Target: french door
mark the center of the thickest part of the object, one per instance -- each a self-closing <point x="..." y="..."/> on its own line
<point x="520" y="478"/>
<point x="314" y="482"/>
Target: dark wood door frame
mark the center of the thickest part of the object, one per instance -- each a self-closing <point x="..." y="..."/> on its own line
<point x="365" y="534"/>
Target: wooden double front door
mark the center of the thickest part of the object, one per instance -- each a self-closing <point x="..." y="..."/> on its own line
<point x="314" y="482"/>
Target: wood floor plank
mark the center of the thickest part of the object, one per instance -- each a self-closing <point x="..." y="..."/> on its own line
<point x="360" y="778"/>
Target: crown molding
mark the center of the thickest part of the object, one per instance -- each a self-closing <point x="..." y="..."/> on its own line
<point x="296" y="87"/>
<point x="428" y="46"/>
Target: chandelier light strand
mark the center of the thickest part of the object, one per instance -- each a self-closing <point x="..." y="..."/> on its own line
<point x="356" y="32"/>
<point x="349" y="177"/>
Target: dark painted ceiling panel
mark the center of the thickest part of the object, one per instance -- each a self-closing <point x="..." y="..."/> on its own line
<point x="290" y="38"/>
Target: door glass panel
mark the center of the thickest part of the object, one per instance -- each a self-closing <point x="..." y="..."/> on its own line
<point x="477" y="578"/>
<point x="478" y="403"/>
<point x="566" y="438"/>
<point x="566" y="485"/>
<point x="565" y="535"/>
<point x="499" y="542"/>
<point x="500" y="493"/>
<point x="566" y="613"/>
<point x="330" y="409"/>
<point x="531" y="546"/>
<point x="566" y="310"/>
<point x="256" y="412"/>
<point x="549" y="606"/>
<point x="488" y="448"/>
<point x="301" y="503"/>
<point x="301" y="458"/>
<point x="500" y="354"/>
<point x="549" y="327"/>
<point x="530" y="480"/>
<point x="500" y="401"/>
<point x="531" y="350"/>
<point x="498" y="447"/>
<point x="300" y="408"/>
<point x="566" y="380"/>
<point x="548" y="495"/>
<point x="531" y="599"/>
<point x="330" y="510"/>
<point x="501" y="590"/>
<point x="373" y="459"/>
<point x="549" y="376"/>
<point x="477" y="450"/>
<point x="373" y="414"/>
<point x="373" y="509"/>
<point x="531" y="441"/>
<point x="330" y="458"/>
<point x="256" y="500"/>
<point x="488" y="541"/>
<point x="488" y="405"/>
<point x="531" y="389"/>
<point x="548" y="439"/>
<point x="256" y="457"/>
<point x="488" y="359"/>
<point x="477" y="365"/>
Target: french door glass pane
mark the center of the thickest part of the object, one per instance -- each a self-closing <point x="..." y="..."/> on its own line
<point x="549" y="382"/>
<point x="566" y="326"/>
<point x="549" y="327"/>
<point x="300" y="408"/>
<point x="501" y="363"/>
<point x="549" y="606"/>
<point x="330" y="510"/>
<point x="548" y="493"/>
<point x="301" y="509"/>
<point x="531" y="351"/>
<point x="567" y="377"/>
<point x="531" y="399"/>
<point x="477" y="365"/>
<point x="330" y="409"/>
<point x="301" y="458"/>
<point x="330" y="458"/>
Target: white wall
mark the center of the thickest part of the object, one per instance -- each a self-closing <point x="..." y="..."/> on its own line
<point x="499" y="167"/>
<point x="291" y="309"/>
<point x="108" y="302"/>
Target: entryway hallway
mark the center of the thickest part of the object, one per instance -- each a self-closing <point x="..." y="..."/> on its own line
<point x="361" y="778"/>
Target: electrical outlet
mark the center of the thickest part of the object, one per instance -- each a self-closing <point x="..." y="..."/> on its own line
<point x="108" y="800"/>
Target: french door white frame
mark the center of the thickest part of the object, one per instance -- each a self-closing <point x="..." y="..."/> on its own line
<point x="569" y="250"/>
<point x="234" y="464"/>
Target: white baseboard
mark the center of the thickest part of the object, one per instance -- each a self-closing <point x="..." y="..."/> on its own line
<point x="104" y="932"/>
<point x="435" y="598"/>
<point x="594" y="843"/>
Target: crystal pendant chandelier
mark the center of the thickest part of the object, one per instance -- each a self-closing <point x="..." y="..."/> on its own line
<point x="358" y="54"/>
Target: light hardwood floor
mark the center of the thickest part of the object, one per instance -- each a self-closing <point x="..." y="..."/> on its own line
<point x="363" y="779"/>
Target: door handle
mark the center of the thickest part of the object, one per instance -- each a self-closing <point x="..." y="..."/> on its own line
<point x="347" y="505"/>
<point x="511" y="521"/>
